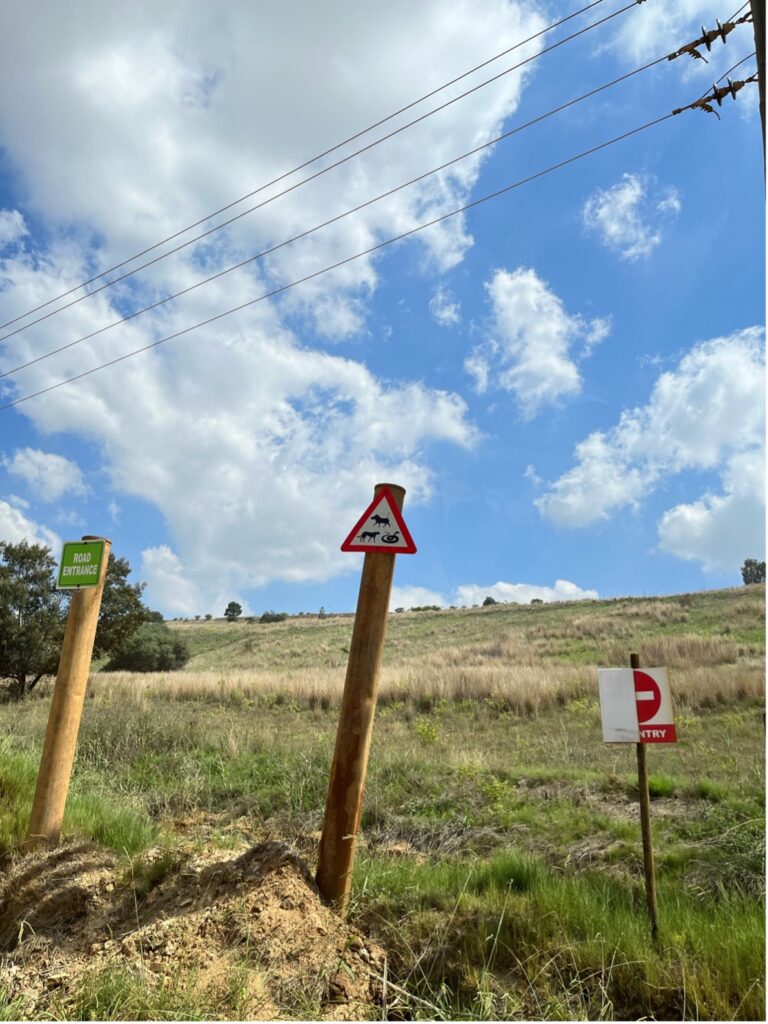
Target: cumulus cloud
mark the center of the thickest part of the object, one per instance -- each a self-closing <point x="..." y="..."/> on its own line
<point x="415" y="597"/>
<point x="721" y="530"/>
<point x="444" y="307"/>
<point x="522" y="593"/>
<point x="167" y="585"/>
<point x="12" y="227"/>
<point x="705" y="415"/>
<point x="530" y="351"/>
<point x="16" y="527"/>
<point x="475" y="593"/>
<point x="47" y="475"/>
<point x="238" y="430"/>
<point x="628" y="217"/>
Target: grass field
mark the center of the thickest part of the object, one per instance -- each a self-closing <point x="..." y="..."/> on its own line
<point x="500" y="863"/>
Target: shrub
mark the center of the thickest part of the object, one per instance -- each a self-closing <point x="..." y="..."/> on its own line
<point x="152" y="648"/>
<point x="274" y="617"/>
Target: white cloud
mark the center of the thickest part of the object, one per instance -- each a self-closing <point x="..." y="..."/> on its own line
<point x="707" y="414"/>
<point x="444" y="307"/>
<point x="47" y="475"/>
<point x="177" y="146"/>
<point x="238" y="430"/>
<point x="721" y="530"/>
<point x="522" y="593"/>
<point x="530" y="350"/>
<point x="167" y="586"/>
<point x="12" y="227"/>
<point x="415" y="597"/>
<point x="639" y="33"/>
<point x="628" y="217"/>
<point x="474" y="593"/>
<point x="16" y="527"/>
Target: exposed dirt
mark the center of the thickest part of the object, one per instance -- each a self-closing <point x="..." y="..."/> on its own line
<point x="69" y="912"/>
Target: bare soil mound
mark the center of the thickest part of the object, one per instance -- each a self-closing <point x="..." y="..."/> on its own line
<point x="67" y="914"/>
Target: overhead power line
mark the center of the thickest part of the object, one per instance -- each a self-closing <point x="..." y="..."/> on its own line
<point x="312" y="177"/>
<point x="333" y="220"/>
<point x="340" y="263"/>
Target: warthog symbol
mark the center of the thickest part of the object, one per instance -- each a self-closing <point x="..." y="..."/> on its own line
<point x="391" y="538"/>
<point x="381" y="521"/>
<point x="369" y="535"/>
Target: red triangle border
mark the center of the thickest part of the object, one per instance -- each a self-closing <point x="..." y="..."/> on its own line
<point x="349" y="544"/>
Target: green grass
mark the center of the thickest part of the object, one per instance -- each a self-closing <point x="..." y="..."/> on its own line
<point x="97" y="815"/>
<point x="502" y="860"/>
<point x="572" y="632"/>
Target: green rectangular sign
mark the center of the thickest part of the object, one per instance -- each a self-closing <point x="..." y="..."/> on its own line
<point x="80" y="564"/>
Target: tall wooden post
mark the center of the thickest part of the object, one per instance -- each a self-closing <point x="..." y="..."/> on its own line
<point x="66" y="711"/>
<point x="758" y="26"/>
<point x="344" y="803"/>
<point x="645" y="823"/>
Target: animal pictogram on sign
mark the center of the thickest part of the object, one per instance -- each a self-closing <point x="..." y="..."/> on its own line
<point x="381" y="528"/>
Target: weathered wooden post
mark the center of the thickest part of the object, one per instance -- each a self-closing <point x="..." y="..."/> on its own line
<point x="83" y="569"/>
<point x="386" y="535"/>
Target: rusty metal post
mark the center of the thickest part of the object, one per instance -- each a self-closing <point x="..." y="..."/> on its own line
<point x="66" y="711"/>
<point x="344" y="803"/>
<point x="645" y="823"/>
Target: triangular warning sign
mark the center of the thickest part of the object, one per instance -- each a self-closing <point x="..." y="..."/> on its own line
<point x="381" y="528"/>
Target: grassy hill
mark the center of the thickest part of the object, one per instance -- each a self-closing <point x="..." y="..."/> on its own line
<point x="500" y="862"/>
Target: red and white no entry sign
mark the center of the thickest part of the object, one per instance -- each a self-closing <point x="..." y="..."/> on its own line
<point x="654" y="706"/>
<point x="647" y="695"/>
<point x="636" y="705"/>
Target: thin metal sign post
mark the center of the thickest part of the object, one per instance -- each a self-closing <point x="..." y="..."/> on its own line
<point x="645" y="824"/>
<point x="381" y="533"/>
<point x="83" y="569"/>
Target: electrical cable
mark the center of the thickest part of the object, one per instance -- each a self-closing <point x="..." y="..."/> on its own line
<point x="304" y="181"/>
<point x="314" y="159"/>
<point x="333" y="220"/>
<point x="341" y="263"/>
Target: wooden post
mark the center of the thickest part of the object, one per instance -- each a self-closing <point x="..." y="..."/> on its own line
<point x="645" y="822"/>
<point x="758" y="26"/>
<point x="344" y="803"/>
<point x="66" y="711"/>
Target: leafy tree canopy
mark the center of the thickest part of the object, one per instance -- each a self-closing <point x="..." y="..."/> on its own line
<point x="33" y="614"/>
<point x="233" y="611"/>
<point x="753" y="571"/>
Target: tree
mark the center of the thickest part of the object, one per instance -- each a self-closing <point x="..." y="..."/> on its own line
<point x="753" y="571"/>
<point x="122" y="610"/>
<point x="32" y="616"/>
<point x="233" y="611"/>
<point x="152" y="648"/>
<point x="489" y="600"/>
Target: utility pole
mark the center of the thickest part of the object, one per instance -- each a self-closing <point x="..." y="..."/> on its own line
<point x="758" y="25"/>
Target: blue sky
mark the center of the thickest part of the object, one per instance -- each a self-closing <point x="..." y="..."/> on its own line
<point x="568" y="380"/>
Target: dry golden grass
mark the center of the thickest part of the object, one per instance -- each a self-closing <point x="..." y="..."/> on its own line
<point x="522" y="688"/>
